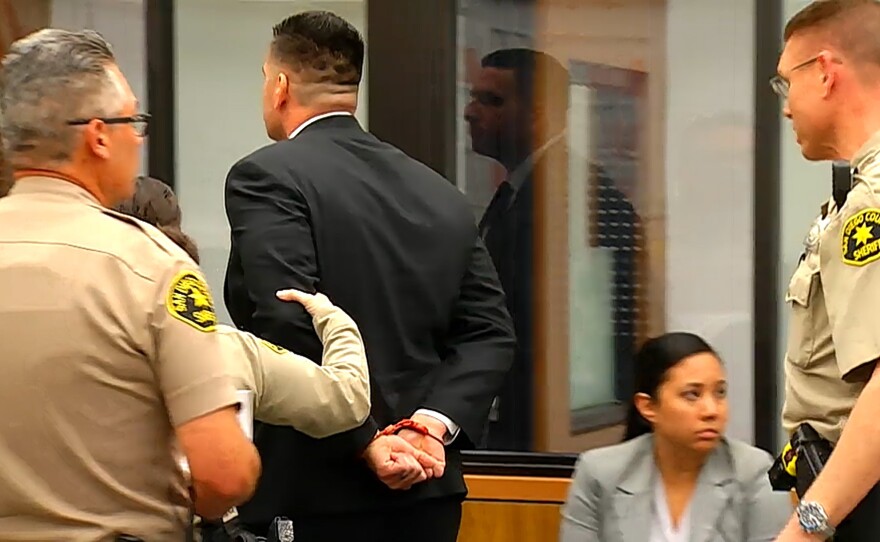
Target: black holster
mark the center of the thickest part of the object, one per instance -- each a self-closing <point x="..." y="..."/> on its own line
<point x="801" y="461"/>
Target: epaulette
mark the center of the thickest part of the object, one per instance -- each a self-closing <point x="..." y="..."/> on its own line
<point x="159" y="239"/>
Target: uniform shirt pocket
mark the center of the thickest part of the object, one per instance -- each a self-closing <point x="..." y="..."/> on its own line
<point x="801" y="336"/>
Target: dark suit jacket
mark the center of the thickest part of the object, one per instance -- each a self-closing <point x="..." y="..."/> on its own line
<point x="393" y="244"/>
<point x="510" y="240"/>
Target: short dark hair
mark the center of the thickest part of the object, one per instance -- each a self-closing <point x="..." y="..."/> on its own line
<point x="652" y="364"/>
<point x="156" y="204"/>
<point x="321" y="47"/>
<point x="153" y="202"/>
<point x="527" y="66"/>
<point x="852" y="24"/>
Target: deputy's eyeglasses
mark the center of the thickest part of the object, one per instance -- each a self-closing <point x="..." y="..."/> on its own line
<point x="139" y="122"/>
<point x="781" y="85"/>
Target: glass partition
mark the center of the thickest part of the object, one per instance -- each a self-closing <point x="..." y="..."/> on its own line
<point x="632" y="137"/>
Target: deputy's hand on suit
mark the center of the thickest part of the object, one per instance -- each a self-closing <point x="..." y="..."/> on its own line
<point x="317" y="305"/>
<point x="431" y="446"/>
<point x="397" y="463"/>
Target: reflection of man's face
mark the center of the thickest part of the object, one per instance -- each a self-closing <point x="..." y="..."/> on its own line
<point x="494" y="113"/>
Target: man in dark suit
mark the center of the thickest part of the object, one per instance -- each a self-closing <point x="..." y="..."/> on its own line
<point x="517" y="116"/>
<point x="330" y="207"/>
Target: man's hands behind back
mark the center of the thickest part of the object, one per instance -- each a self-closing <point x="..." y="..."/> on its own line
<point x="432" y="445"/>
<point x="398" y="464"/>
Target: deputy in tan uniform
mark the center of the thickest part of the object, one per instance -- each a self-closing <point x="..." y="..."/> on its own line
<point x="829" y="77"/>
<point x="318" y="400"/>
<point x="108" y="349"/>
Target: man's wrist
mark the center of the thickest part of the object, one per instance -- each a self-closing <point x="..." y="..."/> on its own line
<point x="364" y="436"/>
<point x="451" y="428"/>
<point x="435" y="426"/>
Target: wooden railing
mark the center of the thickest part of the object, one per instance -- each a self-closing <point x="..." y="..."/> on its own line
<point x="514" y="497"/>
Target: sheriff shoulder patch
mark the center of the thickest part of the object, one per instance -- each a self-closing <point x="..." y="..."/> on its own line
<point x="189" y="300"/>
<point x="273" y="347"/>
<point x="860" y="238"/>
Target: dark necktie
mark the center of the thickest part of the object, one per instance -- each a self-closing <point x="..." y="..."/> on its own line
<point x="500" y="202"/>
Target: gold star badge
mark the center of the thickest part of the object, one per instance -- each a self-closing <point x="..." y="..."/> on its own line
<point x="863" y="234"/>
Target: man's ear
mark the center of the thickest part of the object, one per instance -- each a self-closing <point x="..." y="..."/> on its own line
<point x="282" y="90"/>
<point x="97" y="139"/>
<point x="827" y="67"/>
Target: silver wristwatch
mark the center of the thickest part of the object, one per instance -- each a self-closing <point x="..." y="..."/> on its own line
<point x="814" y="520"/>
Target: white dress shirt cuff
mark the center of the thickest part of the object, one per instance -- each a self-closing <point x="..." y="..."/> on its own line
<point x="452" y="428"/>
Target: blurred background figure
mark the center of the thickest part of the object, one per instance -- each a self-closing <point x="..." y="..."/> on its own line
<point x="518" y="116"/>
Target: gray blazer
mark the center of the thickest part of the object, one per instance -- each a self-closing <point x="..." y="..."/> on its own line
<point x="611" y="496"/>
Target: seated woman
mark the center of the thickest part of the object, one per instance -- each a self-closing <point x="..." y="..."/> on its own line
<point x="318" y="400"/>
<point x="675" y="477"/>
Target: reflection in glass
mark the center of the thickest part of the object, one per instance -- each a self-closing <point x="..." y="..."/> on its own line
<point x="609" y="216"/>
<point x="518" y="116"/>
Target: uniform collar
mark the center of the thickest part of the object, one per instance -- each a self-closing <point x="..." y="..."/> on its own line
<point x="867" y="152"/>
<point x="39" y="184"/>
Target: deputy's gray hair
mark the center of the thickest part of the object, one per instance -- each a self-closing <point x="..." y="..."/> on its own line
<point x="47" y="79"/>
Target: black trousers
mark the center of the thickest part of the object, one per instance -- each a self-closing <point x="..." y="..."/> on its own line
<point x="434" y="520"/>
<point x="863" y="523"/>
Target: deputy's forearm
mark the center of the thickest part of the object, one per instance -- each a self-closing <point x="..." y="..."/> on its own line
<point x="319" y="400"/>
<point x="852" y="469"/>
<point x="343" y="346"/>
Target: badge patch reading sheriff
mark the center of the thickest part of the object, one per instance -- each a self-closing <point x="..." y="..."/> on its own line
<point x="189" y="300"/>
<point x="273" y="347"/>
<point x="860" y="239"/>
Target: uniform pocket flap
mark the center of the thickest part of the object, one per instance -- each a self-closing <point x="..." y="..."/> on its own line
<point x="799" y="289"/>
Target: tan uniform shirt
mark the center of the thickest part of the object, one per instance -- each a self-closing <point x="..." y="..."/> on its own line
<point x="106" y="343"/>
<point x="834" y="331"/>
<point x="319" y="400"/>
